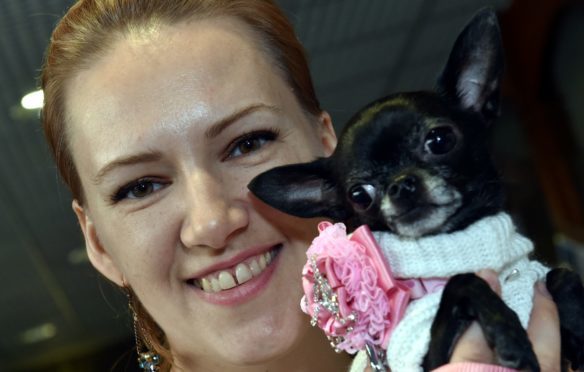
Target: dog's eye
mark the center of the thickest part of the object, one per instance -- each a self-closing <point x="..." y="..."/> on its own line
<point x="362" y="196"/>
<point x="440" y="140"/>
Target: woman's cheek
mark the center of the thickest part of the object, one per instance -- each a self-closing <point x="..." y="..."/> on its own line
<point x="144" y="243"/>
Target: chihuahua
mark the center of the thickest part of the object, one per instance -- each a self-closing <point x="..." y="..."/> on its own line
<point x="416" y="165"/>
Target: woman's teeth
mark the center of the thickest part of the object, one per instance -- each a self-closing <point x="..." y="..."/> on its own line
<point x="243" y="272"/>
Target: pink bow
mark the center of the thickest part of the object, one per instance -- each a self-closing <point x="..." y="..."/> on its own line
<point x="350" y="291"/>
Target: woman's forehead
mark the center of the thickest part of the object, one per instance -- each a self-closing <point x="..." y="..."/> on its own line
<point x="140" y="91"/>
<point x="208" y="50"/>
<point x="200" y="68"/>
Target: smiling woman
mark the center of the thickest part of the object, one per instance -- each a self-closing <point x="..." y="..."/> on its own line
<point x="183" y="207"/>
<point x="159" y="167"/>
<point x="159" y="113"/>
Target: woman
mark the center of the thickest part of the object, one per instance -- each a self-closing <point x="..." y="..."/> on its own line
<point x="158" y="114"/>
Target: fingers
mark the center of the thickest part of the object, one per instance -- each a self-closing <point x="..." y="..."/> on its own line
<point x="544" y="330"/>
<point x="472" y="345"/>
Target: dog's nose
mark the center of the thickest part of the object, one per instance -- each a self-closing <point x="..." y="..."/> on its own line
<point x="403" y="186"/>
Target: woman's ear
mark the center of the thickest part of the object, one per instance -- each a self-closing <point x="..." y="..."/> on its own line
<point x="98" y="256"/>
<point x="327" y="133"/>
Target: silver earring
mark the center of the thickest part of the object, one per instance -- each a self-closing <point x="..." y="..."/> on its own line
<point x="148" y="361"/>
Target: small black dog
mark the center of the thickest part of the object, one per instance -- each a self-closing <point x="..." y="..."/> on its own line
<point x="417" y="164"/>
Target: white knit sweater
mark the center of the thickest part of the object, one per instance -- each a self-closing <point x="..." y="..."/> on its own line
<point x="491" y="243"/>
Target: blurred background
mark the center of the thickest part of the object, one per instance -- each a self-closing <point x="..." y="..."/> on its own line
<point x="57" y="314"/>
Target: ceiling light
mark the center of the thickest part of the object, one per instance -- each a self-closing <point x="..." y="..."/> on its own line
<point x="39" y="333"/>
<point x="33" y="100"/>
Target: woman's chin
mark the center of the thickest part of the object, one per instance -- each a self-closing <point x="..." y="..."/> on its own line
<point x="257" y="349"/>
<point x="238" y="351"/>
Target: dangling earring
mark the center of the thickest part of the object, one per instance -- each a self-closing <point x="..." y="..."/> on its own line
<point x="147" y="360"/>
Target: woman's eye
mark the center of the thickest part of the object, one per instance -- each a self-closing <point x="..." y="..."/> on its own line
<point x="137" y="190"/>
<point x="248" y="145"/>
<point x="250" y="142"/>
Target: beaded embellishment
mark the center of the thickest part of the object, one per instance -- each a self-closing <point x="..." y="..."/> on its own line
<point x="325" y="297"/>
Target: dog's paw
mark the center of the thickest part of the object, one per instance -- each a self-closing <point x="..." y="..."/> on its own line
<point x="567" y="291"/>
<point x="574" y="353"/>
<point x="573" y="350"/>
<point x="510" y="342"/>
<point x="513" y="350"/>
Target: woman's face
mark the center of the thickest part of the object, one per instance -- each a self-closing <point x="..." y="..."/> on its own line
<point x="166" y="130"/>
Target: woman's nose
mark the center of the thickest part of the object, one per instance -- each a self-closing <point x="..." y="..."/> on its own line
<point x="212" y="215"/>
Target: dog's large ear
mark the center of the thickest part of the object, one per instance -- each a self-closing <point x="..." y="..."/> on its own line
<point x="302" y="190"/>
<point x="472" y="75"/>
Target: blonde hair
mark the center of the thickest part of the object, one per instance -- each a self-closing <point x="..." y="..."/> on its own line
<point x="90" y="27"/>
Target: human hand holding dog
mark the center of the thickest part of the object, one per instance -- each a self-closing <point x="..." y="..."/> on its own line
<point x="543" y="332"/>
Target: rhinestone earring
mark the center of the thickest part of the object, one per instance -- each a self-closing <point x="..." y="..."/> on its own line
<point x="148" y="361"/>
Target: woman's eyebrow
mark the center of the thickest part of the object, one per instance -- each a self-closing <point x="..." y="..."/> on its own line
<point x="210" y="133"/>
<point x="222" y="124"/>
<point x="145" y="157"/>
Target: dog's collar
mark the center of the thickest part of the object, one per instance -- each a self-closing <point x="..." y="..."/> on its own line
<point x="492" y="242"/>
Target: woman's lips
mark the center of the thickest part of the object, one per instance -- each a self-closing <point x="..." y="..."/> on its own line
<point x="237" y="275"/>
<point x="240" y="282"/>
